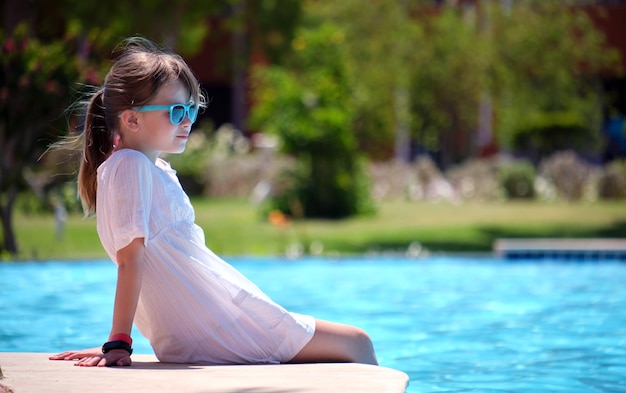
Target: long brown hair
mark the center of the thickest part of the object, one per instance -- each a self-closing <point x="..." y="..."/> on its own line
<point x="138" y="72"/>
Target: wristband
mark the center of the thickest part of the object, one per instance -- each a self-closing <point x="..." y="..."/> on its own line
<point x="111" y="345"/>
<point x="122" y="337"/>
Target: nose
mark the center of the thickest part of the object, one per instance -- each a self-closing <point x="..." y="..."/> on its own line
<point x="186" y="122"/>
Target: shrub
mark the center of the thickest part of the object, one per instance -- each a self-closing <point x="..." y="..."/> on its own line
<point x="517" y="179"/>
<point x="475" y="179"/>
<point x="421" y="180"/>
<point x="431" y="184"/>
<point x="254" y="175"/>
<point x="612" y="181"/>
<point x="211" y="157"/>
<point x="550" y="131"/>
<point x="392" y="180"/>
<point x="568" y="174"/>
<point x="309" y="107"/>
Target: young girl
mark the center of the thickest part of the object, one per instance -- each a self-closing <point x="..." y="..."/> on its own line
<point x="191" y="305"/>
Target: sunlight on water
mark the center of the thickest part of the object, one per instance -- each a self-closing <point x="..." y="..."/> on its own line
<point x="452" y="324"/>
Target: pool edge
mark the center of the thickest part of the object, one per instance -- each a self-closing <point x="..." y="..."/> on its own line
<point x="33" y="372"/>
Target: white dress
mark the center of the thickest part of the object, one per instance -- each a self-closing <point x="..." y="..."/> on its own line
<point x="193" y="306"/>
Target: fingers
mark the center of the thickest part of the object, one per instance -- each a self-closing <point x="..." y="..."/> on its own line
<point x="103" y="361"/>
<point x="90" y="361"/>
<point x="73" y="355"/>
<point x="67" y="355"/>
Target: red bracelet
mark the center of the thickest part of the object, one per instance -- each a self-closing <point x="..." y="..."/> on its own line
<point x="122" y="337"/>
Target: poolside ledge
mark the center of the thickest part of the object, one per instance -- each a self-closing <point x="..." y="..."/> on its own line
<point x="34" y="373"/>
<point x="561" y="248"/>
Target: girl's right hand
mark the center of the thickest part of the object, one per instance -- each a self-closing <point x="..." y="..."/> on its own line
<point x="74" y="355"/>
<point x="95" y="357"/>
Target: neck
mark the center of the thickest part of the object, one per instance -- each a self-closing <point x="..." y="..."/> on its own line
<point x="125" y="144"/>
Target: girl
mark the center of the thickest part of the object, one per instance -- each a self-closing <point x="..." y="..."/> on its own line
<point x="190" y="304"/>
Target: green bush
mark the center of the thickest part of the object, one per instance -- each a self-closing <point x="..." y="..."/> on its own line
<point x="546" y="132"/>
<point x="517" y="180"/>
<point x="308" y="106"/>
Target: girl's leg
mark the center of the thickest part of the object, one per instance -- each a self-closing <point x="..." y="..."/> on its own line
<point x="335" y="342"/>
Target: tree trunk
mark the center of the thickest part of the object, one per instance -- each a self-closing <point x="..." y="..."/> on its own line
<point x="240" y="69"/>
<point x="9" y="242"/>
<point x="402" y="146"/>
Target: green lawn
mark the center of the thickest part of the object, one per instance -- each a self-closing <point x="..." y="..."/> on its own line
<point x="234" y="227"/>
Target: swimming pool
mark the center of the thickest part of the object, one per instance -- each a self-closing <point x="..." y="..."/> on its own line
<point x="452" y="324"/>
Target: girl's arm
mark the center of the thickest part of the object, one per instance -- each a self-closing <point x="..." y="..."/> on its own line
<point x="129" y="273"/>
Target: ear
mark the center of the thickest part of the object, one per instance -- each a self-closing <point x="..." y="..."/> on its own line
<point x="129" y="120"/>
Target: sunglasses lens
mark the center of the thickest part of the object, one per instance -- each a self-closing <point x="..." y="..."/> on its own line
<point x="193" y="113"/>
<point x="177" y="114"/>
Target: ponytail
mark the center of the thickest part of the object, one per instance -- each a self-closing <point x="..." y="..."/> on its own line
<point x="98" y="145"/>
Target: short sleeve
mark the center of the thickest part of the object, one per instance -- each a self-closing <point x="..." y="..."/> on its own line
<point x="129" y="198"/>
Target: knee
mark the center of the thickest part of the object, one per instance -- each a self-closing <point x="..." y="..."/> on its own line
<point x="363" y="348"/>
<point x="361" y="337"/>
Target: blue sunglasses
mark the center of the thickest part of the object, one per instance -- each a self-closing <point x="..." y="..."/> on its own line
<point x="177" y="111"/>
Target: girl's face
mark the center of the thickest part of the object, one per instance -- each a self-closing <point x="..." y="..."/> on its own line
<point x="156" y="134"/>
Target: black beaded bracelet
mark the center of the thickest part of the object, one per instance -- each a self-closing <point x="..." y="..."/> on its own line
<point x="111" y="345"/>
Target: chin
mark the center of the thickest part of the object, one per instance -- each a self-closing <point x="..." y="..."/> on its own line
<point x="179" y="150"/>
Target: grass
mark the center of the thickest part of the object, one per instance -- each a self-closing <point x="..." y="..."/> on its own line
<point x="234" y="227"/>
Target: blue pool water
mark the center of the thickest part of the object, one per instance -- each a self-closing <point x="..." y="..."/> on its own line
<point x="452" y="324"/>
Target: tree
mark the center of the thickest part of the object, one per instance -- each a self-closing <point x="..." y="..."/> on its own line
<point x="547" y="60"/>
<point x="447" y="79"/>
<point x="379" y="40"/>
<point x="64" y="45"/>
<point x="538" y="63"/>
<point x="181" y="26"/>
<point x="56" y="49"/>
<point x="37" y="80"/>
<point x="535" y="62"/>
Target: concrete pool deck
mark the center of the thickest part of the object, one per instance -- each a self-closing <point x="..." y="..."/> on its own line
<point x="560" y="248"/>
<point x="34" y="373"/>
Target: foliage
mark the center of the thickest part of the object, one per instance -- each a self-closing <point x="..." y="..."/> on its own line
<point x="37" y="80"/>
<point x="102" y="25"/>
<point x="517" y="179"/>
<point x="308" y="106"/>
<point x="447" y="80"/>
<point x="535" y="62"/>
<point x="545" y="132"/>
<point x="274" y="24"/>
<point x="612" y="181"/>
<point x="544" y="77"/>
<point x="378" y="41"/>
<point x="61" y="196"/>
